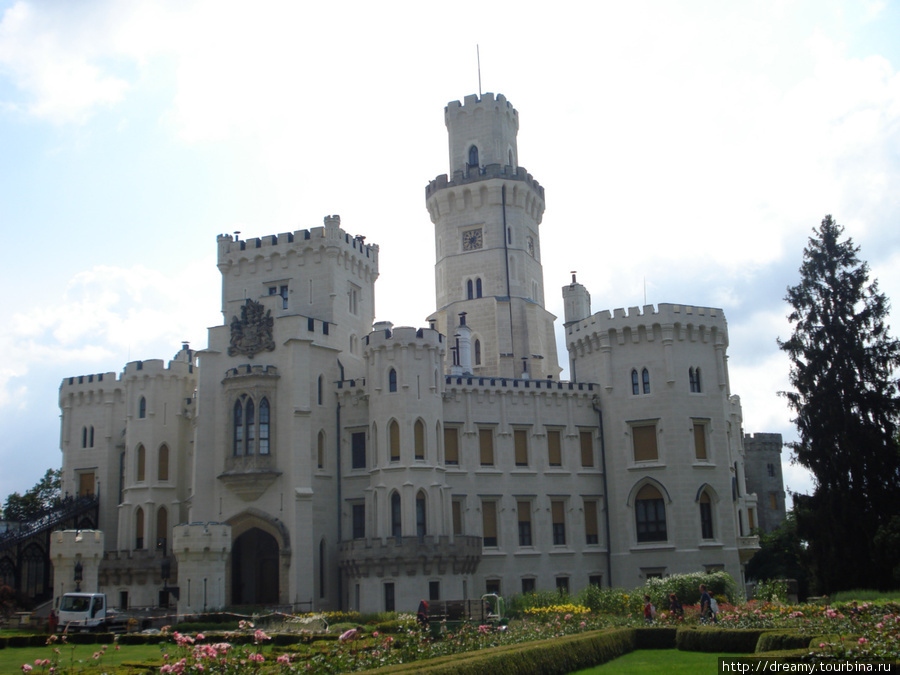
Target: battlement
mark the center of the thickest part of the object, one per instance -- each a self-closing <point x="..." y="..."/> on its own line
<point x="232" y="249"/>
<point x="251" y="369"/>
<point x="487" y="172"/>
<point x="505" y="384"/>
<point x="148" y="368"/>
<point x="763" y="442"/>
<point x="404" y="335"/>
<point x="487" y="99"/>
<point x="664" y="313"/>
<point x="156" y="367"/>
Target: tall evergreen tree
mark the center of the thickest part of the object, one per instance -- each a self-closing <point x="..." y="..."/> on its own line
<point x="845" y="398"/>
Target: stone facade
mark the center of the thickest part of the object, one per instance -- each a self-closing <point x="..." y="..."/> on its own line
<point x="329" y="463"/>
<point x="764" y="477"/>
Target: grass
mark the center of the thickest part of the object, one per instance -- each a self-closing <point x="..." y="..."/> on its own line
<point x="865" y="596"/>
<point x="12" y="658"/>
<point x="662" y="661"/>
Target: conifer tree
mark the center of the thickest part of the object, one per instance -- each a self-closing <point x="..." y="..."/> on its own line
<point x="845" y="398"/>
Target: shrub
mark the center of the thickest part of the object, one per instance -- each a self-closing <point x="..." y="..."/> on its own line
<point x="731" y="641"/>
<point x="772" y="590"/>
<point x="773" y="641"/>
<point x="655" y="638"/>
<point x="687" y="587"/>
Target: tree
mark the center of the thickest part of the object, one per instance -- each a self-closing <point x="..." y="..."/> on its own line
<point x="781" y="555"/>
<point x="845" y="399"/>
<point x="43" y="497"/>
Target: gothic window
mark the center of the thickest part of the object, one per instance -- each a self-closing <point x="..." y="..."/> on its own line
<point x="394" y="438"/>
<point x="645" y="378"/>
<point x="139" y="528"/>
<point x="238" y="436"/>
<point x="419" y="432"/>
<point x="421" y="527"/>
<point x="635" y="386"/>
<point x="84" y="437"/>
<point x="162" y="463"/>
<point x="478" y="288"/>
<point x="264" y="428"/>
<point x="477" y="352"/>
<point x="320" y="450"/>
<point x="706" y="517"/>
<point x="473" y="156"/>
<point x="162" y="528"/>
<point x="141" y="463"/>
<point x="322" y="568"/>
<point x="320" y="387"/>
<point x="250" y="427"/>
<point x="92" y="437"/>
<point x="142" y="408"/>
<point x="470" y="291"/>
<point x="694" y="379"/>
<point x="396" y="528"/>
<point x="650" y="515"/>
<point x="392" y="380"/>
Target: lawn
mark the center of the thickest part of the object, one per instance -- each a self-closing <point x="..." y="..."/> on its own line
<point x="79" y="656"/>
<point x="668" y="661"/>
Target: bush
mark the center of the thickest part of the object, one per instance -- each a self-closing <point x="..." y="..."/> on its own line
<point x="773" y="590"/>
<point x="774" y="641"/>
<point x="731" y="641"/>
<point x="687" y="587"/>
<point x="655" y="638"/>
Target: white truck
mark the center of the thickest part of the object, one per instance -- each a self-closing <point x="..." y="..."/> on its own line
<point x="86" y="612"/>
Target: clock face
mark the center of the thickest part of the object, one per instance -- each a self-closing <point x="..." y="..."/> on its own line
<point x="472" y="239"/>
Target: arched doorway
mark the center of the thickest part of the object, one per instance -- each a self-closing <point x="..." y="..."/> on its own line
<point x="254" y="568"/>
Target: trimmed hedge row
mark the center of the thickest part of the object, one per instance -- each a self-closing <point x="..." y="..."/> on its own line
<point x="728" y="640"/>
<point x="556" y="656"/>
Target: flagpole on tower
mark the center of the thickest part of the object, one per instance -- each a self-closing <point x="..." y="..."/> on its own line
<point x="478" y="56"/>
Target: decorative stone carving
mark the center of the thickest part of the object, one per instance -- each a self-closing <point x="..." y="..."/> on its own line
<point x="252" y="333"/>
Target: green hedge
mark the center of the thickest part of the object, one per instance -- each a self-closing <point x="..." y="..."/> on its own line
<point x="656" y="638"/>
<point x="556" y="656"/>
<point x="727" y="640"/>
<point x="775" y="641"/>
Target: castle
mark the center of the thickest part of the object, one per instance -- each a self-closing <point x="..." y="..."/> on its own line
<point x="309" y="458"/>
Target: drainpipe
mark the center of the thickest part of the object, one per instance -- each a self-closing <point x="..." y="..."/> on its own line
<point x="340" y="584"/>
<point x="596" y="405"/>
<point x="512" y="337"/>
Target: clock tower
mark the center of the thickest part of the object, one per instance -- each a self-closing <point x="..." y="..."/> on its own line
<point x="486" y="214"/>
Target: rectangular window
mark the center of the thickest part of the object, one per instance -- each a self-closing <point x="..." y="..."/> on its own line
<point x="451" y="446"/>
<point x="489" y="523"/>
<point x="520" y="438"/>
<point x="492" y="586"/>
<point x="562" y="585"/>
<point x="358" y="450"/>
<point x="700" y="440"/>
<point x="284" y="297"/>
<point x="524" y="510"/>
<point x="486" y="446"/>
<point x="389" y="604"/>
<point x="554" y="447"/>
<point x="587" y="448"/>
<point x="644" y="439"/>
<point x="457" y="517"/>
<point x="770" y="469"/>
<point x="354" y="299"/>
<point x="773" y="501"/>
<point x="434" y="591"/>
<point x="557" y="510"/>
<point x="595" y="580"/>
<point x="528" y="585"/>
<point x="751" y="519"/>
<point x="591" y="532"/>
<point x="359" y="521"/>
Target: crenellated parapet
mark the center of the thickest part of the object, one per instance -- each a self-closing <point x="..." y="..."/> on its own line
<point x="472" y="102"/>
<point x="488" y="172"/>
<point x="404" y="336"/>
<point x="454" y="384"/>
<point x="329" y="239"/>
<point x="665" y="322"/>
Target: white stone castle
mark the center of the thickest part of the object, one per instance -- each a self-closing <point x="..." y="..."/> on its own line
<point x="307" y="458"/>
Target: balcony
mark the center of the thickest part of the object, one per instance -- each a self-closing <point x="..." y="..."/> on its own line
<point x="426" y="555"/>
<point x="747" y="547"/>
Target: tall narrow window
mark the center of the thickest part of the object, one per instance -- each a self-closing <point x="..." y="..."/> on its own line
<point x="644" y="439"/>
<point x="587" y="448"/>
<point x="554" y="447"/>
<point x="357" y="450"/>
<point x="557" y="511"/>
<point x="392" y="380"/>
<point x="470" y="290"/>
<point x="141" y="463"/>
<point x="645" y="378"/>
<point x="142" y="408"/>
<point x="83" y="437"/>
<point x="394" y="433"/>
<point x="650" y="515"/>
<point x="238" y="428"/>
<point x="162" y="528"/>
<point x="421" y="527"/>
<point x="320" y="450"/>
<point x="320" y="390"/>
<point x="283" y="292"/>
<point x="139" y="528"/>
<point x="264" y="426"/>
<point x="591" y="531"/>
<point x="520" y="440"/>
<point x="700" y="441"/>
<point x="706" y="518"/>
<point x="419" y="439"/>
<point x="322" y="568"/>
<point x="162" y="463"/>
<point x="389" y="603"/>
<point x="359" y="521"/>
<point x="121" y="476"/>
<point x="92" y="436"/>
<point x="635" y="385"/>
<point x="451" y="445"/>
<point x="478" y="287"/>
<point x="473" y="156"/>
<point x="489" y="523"/>
<point x="694" y="379"/>
<point x="396" y="521"/>
<point x="250" y="427"/>
<point x="486" y="446"/>
<point x="457" y="517"/>
<point x="477" y="352"/>
<point x="524" y="511"/>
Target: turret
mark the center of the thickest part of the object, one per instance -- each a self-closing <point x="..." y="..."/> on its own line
<point x="577" y="302"/>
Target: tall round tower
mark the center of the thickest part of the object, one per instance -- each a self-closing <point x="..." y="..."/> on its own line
<point x="487" y="245"/>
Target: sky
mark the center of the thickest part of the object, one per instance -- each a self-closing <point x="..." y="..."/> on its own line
<point x="687" y="151"/>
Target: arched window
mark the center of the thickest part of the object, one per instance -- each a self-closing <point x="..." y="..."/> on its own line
<point x="473" y="156"/>
<point x="478" y="288"/>
<point x="250" y="426"/>
<point x="421" y="529"/>
<point x="238" y="448"/>
<point x="142" y="408"/>
<point x="650" y="515"/>
<point x="392" y="380"/>
<point x="694" y="379"/>
<point x="121" y="476"/>
<point x="139" y="528"/>
<point x="162" y="529"/>
<point x="264" y="426"/>
<point x="162" y="463"/>
<point x="141" y="463"/>
<point x="706" y="516"/>
<point x="83" y="437"/>
<point x="395" y="515"/>
<point x="477" y="352"/>
<point x="645" y="378"/>
<point x="394" y="436"/>
<point x="419" y="430"/>
<point x="470" y="291"/>
<point x="635" y="386"/>
<point x="320" y="451"/>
